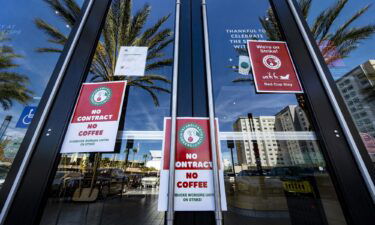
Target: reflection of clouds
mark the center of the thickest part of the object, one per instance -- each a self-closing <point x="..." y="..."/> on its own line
<point x="338" y="72"/>
<point x="226" y="154"/>
<point x="142" y="114"/>
<point x="145" y="146"/>
<point x="36" y="69"/>
<point x="233" y="102"/>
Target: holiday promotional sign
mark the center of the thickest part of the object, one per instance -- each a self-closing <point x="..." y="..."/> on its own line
<point x="273" y="68"/>
<point x="194" y="186"/>
<point x="94" y="125"/>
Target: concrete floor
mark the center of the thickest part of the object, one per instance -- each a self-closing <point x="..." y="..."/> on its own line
<point x="131" y="209"/>
<point x="139" y="207"/>
<point x="233" y="217"/>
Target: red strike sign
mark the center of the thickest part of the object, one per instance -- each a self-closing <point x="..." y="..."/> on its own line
<point x="273" y="68"/>
<point x="193" y="166"/>
<point x="193" y="147"/>
<point x="193" y="151"/>
<point x="94" y="124"/>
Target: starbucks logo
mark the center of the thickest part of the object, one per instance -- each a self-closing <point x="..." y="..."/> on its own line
<point x="272" y="62"/>
<point x="191" y="135"/>
<point x="100" y="96"/>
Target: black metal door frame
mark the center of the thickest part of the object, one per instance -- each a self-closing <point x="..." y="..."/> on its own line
<point x="22" y="203"/>
<point x="29" y="200"/>
<point x="358" y="205"/>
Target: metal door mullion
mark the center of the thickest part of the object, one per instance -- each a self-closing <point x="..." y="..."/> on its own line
<point x="353" y="146"/>
<point x="63" y="88"/>
<point x="324" y="104"/>
<point x="171" y="181"/>
<point x="43" y="117"/>
<point x="218" y="213"/>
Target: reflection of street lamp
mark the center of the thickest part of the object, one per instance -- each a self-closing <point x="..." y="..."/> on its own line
<point x="255" y="144"/>
<point x="4" y="126"/>
<point x="230" y="145"/>
<point x="129" y="145"/>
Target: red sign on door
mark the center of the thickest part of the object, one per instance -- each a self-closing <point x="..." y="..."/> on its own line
<point x="192" y="139"/>
<point x="95" y="120"/>
<point x="273" y="68"/>
<point x="194" y="186"/>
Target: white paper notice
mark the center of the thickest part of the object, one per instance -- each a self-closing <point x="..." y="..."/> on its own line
<point x="131" y="61"/>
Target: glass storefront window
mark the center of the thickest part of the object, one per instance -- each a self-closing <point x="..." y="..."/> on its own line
<point x="27" y="60"/>
<point x="345" y="34"/>
<point x="276" y="168"/>
<point x="122" y="185"/>
<point x="275" y="171"/>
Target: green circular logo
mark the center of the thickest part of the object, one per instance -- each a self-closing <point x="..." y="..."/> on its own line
<point x="100" y="96"/>
<point x="245" y="65"/>
<point x="191" y="135"/>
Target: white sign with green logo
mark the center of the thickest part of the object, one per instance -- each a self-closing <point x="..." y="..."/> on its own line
<point x="94" y="124"/>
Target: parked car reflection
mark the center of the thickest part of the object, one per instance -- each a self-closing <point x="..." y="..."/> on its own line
<point x="150" y="181"/>
<point x="111" y="181"/>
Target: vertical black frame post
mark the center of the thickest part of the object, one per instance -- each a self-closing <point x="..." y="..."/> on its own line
<point x="192" y="93"/>
<point x="358" y="148"/>
<point x="350" y="186"/>
<point x="211" y="113"/>
<point x="172" y="153"/>
<point x="11" y="176"/>
<point x="31" y="194"/>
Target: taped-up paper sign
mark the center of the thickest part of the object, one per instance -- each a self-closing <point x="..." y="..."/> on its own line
<point x="131" y="61"/>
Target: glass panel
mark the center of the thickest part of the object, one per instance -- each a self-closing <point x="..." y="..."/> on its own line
<point x="348" y="48"/>
<point x="28" y="55"/>
<point x="125" y="182"/>
<point x="275" y="172"/>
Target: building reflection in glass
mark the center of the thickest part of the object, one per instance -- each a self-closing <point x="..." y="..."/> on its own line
<point x="276" y="172"/>
<point x="357" y="89"/>
<point x="269" y="132"/>
<point x="280" y="173"/>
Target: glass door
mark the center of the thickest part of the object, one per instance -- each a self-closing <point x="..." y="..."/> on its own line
<point x="284" y="158"/>
<point x="275" y="169"/>
<point x="121" y="186"/>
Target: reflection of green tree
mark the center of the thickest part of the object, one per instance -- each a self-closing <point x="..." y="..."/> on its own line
<point x="121" y="28"/>
<point x="148" y="169"/>
<point x="145" y="157"/>
<point x="335" y="44"/>
<point x="84" y="163"/>
<point x="12" y="84"/>
<point x="127" y="152"/>
<point x="3" y="145"/>
<point x="135" y="151"/>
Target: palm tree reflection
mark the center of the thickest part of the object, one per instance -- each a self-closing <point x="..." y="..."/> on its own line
<point x="121" y="28"/>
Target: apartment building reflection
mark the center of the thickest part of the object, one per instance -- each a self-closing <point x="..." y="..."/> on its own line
<point x="262" y="129"/>
<point x="357" y="88"/>
<point x="283" y="140"/>
<point x="293" y="119"/>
